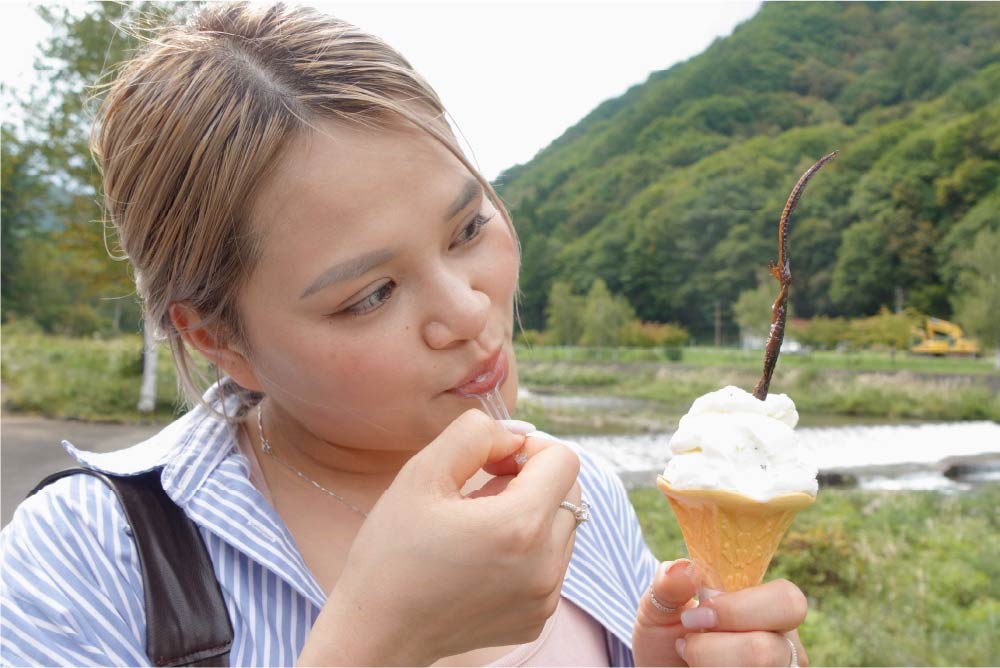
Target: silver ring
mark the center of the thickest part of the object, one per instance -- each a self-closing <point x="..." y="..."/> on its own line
<point x="794" y="663"/>
<point x="659" y="606"/>
<point x="580" y="512"/>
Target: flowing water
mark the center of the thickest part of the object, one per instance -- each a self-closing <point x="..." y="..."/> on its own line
<point x="930" y="456"/>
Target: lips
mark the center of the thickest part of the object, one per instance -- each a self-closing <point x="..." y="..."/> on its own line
<point x="485" y="376"/>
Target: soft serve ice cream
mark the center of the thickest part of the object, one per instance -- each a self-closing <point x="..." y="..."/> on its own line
<point x="736" y="478"/>
<point x="730" y="440"/>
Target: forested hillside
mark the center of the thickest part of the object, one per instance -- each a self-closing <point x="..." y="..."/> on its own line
<point x="671" y="192"/>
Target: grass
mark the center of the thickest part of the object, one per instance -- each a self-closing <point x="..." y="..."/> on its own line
<point x="701" y="356"/>
<point x="893" y="578"/>
<point x="86" y="379"/>
<point x="820" y="390"/>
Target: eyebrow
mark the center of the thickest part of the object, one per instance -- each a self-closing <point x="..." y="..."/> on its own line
<point x="348" y="270"/>
<point x="470" y="191"/>
<point x="359" y="266"/>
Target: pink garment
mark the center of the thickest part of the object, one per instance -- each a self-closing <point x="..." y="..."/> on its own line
<point x="571" y="637"/>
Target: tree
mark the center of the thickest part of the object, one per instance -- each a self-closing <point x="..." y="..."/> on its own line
<point x="19" y="211"/>
<point x="888" y="329"/>
<point x="84" y="48"/>
<point x="604" y="316"/>
<point x="977" y="298"/>
<point x="752" y="310"/>
<point x="564" y="314"/>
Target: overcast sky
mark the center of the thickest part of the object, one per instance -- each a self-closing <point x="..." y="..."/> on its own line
<point x="514" y="75"/>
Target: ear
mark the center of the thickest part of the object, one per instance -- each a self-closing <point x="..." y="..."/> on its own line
<point x="214" y="345"/>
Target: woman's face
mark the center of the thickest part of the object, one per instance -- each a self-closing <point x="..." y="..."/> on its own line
<point x="386" y="281"/>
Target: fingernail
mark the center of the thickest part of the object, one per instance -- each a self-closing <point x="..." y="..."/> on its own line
<point x="679" y="646"/>
<point x="699" y="618"/>
<point x="681" y="566"/>
<point x="517" y="426"/>
<point x="521" y="457"/>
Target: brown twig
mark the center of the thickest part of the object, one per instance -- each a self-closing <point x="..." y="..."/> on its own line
<point x="782" y="271"/>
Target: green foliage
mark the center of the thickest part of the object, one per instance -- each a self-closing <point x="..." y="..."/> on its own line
<point x="977" y="299"/>
<point x="887" y="329"/>
<point x="752" y="310"/>
<point x="819" y="333"/>
<point x="671" y="193"/>
<point x="900" y="578"/>
<point x="22" y="188"/>
<point x="564" y="314"/>
<point x="56" y="265"/>
<point x="604" y="316"/>
<point x="81" y="378"/>
<point x="653" y="334"/>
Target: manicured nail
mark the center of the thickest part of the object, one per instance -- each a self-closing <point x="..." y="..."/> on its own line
<point x="699" y="618"/>
<point x="679" y="646"/>
<point x="681" y="566"/>
<point x="517" y="426"/>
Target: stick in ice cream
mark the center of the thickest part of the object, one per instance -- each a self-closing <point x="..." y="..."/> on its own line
<point x="782" y="271"/>
<point x="737" y="475"/>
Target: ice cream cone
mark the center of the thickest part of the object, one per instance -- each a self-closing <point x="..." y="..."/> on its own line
<point x="731" y="537"/>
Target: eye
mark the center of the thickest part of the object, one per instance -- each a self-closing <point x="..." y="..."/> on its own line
<point x="374" y="300"/>
<point x="471" y="230"/>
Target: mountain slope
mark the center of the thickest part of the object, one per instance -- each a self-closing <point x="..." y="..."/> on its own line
<point x="671" y="192"/>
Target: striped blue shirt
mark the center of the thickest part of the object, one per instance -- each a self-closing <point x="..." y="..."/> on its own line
<point x="72" y="586"/>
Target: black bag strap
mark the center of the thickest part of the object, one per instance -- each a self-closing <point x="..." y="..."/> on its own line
<point x="186" y="619"/>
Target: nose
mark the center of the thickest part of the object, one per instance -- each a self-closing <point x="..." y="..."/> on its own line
<point x="458" y="312"/>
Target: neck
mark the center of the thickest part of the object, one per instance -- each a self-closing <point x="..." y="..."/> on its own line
<point x="350" y="468"/>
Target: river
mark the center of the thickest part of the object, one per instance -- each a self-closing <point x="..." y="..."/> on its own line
<point x="949" y="456"/>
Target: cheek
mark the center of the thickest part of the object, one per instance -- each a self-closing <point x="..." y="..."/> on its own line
<point x="506" y="264"/>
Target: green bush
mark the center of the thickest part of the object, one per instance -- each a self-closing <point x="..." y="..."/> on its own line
<point x="639" y="334"/>
<point x="820" y="333"/>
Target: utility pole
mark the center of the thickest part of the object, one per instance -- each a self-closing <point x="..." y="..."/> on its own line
<point x="718" y="323"/>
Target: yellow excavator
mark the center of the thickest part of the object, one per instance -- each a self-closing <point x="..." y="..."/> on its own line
<point x="940" y="337"/>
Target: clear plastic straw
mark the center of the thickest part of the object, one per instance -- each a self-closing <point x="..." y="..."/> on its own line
<point x="493" y="403"/>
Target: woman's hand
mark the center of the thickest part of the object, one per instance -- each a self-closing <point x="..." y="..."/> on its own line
<point x="743" y="628"/>
<point x="432" y="573"/>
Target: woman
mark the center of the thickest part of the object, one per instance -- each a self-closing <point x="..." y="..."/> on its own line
<point x="297" y="211"/>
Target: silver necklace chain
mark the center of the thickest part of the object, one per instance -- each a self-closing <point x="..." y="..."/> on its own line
<point x="266" y="447"/>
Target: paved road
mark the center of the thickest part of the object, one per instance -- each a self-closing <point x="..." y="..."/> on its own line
<point x="30" y="449"/>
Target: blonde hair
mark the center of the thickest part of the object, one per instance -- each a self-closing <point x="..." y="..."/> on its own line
<point x="192" y="125"/>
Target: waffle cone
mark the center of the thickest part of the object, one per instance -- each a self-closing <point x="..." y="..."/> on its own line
<point x="731" y="537"/>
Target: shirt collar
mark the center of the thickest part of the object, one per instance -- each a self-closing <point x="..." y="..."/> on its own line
<point x="189" y="448"/>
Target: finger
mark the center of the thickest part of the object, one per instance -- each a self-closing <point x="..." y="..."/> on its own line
<point x="548" y="475"/>
<point x="673" y="588"/>
<point x="755" y="648"/>
<point x="469" y="443"/>
<point x="512" y="464"/>
<point x="775" y="606"/>
<point x="564" y="520"/>
<point x="803" y="657"/>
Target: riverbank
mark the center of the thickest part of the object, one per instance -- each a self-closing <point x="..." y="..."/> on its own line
<point x="663" y="391"/>
<point x="893" y="578"/>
